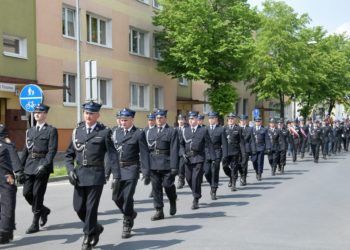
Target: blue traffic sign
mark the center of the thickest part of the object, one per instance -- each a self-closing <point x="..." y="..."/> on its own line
<point x="256" y="113"/>
<point x="30" y="96"/>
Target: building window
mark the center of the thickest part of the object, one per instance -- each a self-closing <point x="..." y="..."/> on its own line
<point x="139" y="96"/>
<point x="14" y="46"/>
<point x="157" y="54"/>
<point x="206" y="107"/>
<point x="68" y="22"/>
<point x="158" y="98"/>
<point x="99" y="30"/>
<point x="245" y="106"/>
<point x="104" y="89"/>
<point x="238" y="106"/>
<point x="69" y="92"/>
<point x="156" y="4"/>
<point x="183" y="81"/>
<point x="138" y="42"/>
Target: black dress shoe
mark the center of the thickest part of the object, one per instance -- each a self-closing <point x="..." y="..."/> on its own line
<point x="259" y="177"/>
<point x="159" y="215"/>
<point x="230" y="183"/>
<point x="195" y="204"/>
<point x="96" y="236"/>
<point x="4" y="238"/>
<point x="43" y="217"/>
<point x="32" y="229"/>
<point x="86" y="243"/>
<point x="172" y="210"/>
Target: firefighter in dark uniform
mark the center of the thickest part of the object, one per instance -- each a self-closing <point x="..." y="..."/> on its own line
<point x="181" y="120"/>
<point x="337" y="132"/>
<point x="132" y="148"/>
<point x="315" y="137"/>
<point x="326" y="135"/>
<point x="151" y="120"/>
<point x="218" y="139"/>
<point x="250" y="147"/>
<point x="283" y="145"/>
<point x="163" y="143"/>
<point x="304" y="131"/>
<point x="37" y="158"/>
<point x="295" y="135"/>
<point x="91" y="141"/>
<point x="235" y="149"/>
<point x="201" y="120"/>
<point x="10" y="166"/>
<point x="347" y="134"/>
<point x="192" y="147"/>
<point x="274" y="136"/>
<point x="262" y="144"/>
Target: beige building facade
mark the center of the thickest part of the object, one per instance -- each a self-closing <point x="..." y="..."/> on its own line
<point x="119" y="35"/>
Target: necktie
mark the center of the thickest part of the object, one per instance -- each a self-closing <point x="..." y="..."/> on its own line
<point x="89" y="130"/>
<point x="125" y="131"/>
<point x="193" y="130"/>
<point x="231" y="127"/>
<point x="212" y="127"/>
<point x="159" y="129"/>
<point x="38" y="128"/>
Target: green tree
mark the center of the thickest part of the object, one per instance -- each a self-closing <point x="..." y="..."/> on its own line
<point x="209" y="40"/>
<point x="274" y="67"/>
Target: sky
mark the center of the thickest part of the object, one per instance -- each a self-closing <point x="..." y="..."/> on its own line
<point x="333" y="15"/>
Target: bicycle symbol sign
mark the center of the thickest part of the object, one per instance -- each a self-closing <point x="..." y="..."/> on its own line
<point x="30" y="96"/>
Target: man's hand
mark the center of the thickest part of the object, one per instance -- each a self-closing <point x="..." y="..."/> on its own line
<point x="10" y="179"/>
<point x="225" y="161"/>
<point x="146" y="180"/>
<point x="20" y="177"/>
<point x="115" y="185"/>
<point x="73" y="178"/>
<point x="40" y="171"/>
<point x="186" y="161"/>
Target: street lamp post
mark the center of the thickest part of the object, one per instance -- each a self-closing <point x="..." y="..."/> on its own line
<point x="77" y="11"/>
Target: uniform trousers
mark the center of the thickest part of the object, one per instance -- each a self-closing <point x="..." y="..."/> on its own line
<point x="315" y="147"/>
<point x="7" y="207"/>
<point x="124" y="198"/>
<point x="211" y="172"/>
<point x="194" y="177"/>
<point x="274" y="158"/>
<point x="258" y="162"/>
<point x="86" y="200"/>
<point x="34" y="190"/>
<point x="160" y="179"/>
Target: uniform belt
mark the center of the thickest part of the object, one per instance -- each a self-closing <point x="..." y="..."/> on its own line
<point x="92" y="163"/>
<point x="38" y="155"/>
<point x="123" y="164"/>
<point x="192" y="153"/>
<point x="160" y="151"/>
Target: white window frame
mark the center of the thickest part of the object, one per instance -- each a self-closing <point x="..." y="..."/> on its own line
<point x="108" y="101"/>
<point x="66" y="82"/>
<point x="108" y="24"/>
<point x="65" y="32"/>
<point x="183" y="81"/>
<point x="146" y="96"/>
<point x="157" y="5"/>
<point x="161" y="97"/>
<point x="144" y="1"/>
<point x="146" y="44"/>
<point x="22" y="47"/>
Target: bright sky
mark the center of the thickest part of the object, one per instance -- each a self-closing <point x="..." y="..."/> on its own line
<point x="333" y="15"/>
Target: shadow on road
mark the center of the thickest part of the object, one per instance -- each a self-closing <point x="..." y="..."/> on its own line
<point x="254" y="188"/>
<point x="142" y="244"/>
<point x="31" y="240"/>
<point x="238" y="196"/>
<point x="166" y="229"/>
<point x="78" y="224"/>
<point x="200" y="215"/>
<point x="269" y="183"/>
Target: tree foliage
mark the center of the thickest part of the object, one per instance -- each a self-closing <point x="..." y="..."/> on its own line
<point x="209" y="40"/>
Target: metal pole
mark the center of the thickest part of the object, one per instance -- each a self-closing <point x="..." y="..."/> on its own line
<point x="77" y="11"/>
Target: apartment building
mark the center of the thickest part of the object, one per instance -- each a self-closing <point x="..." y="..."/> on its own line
<point x="119" y="35"/>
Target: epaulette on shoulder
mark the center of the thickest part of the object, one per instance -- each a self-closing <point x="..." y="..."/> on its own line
<point x="80" y="123"/>
<point x="101" y="125"/>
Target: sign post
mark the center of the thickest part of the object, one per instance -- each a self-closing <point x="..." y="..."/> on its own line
<point x="31" y="96"/>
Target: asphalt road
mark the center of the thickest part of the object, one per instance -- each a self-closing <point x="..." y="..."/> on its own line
<point x="306" y="208"/>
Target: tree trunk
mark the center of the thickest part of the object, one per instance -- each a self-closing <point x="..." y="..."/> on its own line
<point x="281" y="97"/>
<point x="331" y="106"/>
